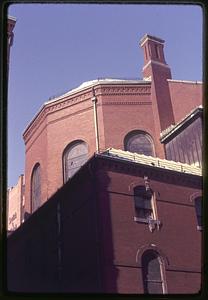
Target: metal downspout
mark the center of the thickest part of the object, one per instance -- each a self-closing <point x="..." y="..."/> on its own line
<point x="94" y="101"/>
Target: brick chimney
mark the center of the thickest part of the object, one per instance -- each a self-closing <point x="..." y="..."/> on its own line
<point x="156" y="69"/>
<point x="153" y="54"/>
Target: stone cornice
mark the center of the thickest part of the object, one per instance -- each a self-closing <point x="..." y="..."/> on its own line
<point x="54" y="121"/>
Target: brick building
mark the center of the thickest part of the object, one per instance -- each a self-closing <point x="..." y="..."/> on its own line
<point x="15" y="194"/>
<point x="109" y="221"/>
<point x="92" y="237"/>
<point x="106" y="113"/>
<point x="15" y="205"/>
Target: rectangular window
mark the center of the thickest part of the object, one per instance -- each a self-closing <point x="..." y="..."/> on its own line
<point x="143" y="207"/>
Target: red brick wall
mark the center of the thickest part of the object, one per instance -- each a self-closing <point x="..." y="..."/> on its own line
<point x="184" y="98"/>
<point x="99" y="242"/>
<point x="36" y="152"/>
<point x="178" y="239"/>
<point x="121" y="118"/>
<point x="117" y="116"/>
<point x="53" y="254"/>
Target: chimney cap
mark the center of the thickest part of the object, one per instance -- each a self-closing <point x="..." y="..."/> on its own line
<point x="152" y="38"/>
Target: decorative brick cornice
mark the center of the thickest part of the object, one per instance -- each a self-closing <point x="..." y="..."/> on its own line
<point x="37" y="122"/>
<point x="126" y="103"/>
<point x="67" y="102"/>
<point x="125" y="90"/>
<point x="166" y="176"/>
<point x="50" y="108"/>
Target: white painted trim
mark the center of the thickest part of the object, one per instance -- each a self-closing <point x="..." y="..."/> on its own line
<point x="153" y="40"/>
<point x="185" y="81"/>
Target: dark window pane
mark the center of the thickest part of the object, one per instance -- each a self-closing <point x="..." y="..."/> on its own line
<point x="154" y="269"/>
<point x="154" y="287"/>
<point x="74" y="157"/>
<point x="142" y="202"/>
<point x="151" y="271"/>
<point x="140" y="143"/>
<point x="198" y="210"/>
<point x="36" y="188"/>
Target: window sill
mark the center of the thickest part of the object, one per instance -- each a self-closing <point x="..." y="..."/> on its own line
<point x="142" y="220"/>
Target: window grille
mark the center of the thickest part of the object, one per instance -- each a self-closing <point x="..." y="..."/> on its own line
<point x="153" y="273"/>
<point x="142" y="201"/>
<point x="75" y="155"/>
<point x="146" y="207"/>
<point x="139" y="142"/>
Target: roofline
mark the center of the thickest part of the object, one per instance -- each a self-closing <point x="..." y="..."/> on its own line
<point x="99" y="81"/>
<point x="80" y="89"/>
<point x="150" y="161"/>
<point x="165" y="134"/>
<point x="151" y="38"/>
<point x="185" y="81"/>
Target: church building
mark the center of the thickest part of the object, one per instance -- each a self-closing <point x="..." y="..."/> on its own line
<point x="113" y="187"/>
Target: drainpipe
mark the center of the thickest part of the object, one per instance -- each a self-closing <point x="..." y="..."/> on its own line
<point x="94" y="101"/>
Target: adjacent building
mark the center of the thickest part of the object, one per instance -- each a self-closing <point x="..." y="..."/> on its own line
<point x="10" y="36"/>
<point x="15" y="205"/>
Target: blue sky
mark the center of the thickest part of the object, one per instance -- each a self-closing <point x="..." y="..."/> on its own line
<point x="57" y="47"/>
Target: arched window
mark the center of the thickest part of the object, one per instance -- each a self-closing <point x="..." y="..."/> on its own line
<point x="75" y="155"/>
<point x="142" y="202"/>
<point x="139" y="142"/>
<point x="197" y="203"/>
<point x="152" y="273"/>
<point x="35" y="188"/>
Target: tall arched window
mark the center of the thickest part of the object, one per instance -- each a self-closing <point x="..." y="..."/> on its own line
<point x="152" y="273"/>
<point x="139" y="142"/>
<point x="35" y="188"/>
<point x="75" y="155"/>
